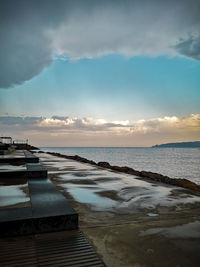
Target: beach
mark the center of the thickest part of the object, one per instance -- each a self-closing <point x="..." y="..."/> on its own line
<point x="129" y="220"/>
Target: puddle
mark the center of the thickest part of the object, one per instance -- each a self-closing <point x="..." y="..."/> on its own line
<point x="152" y="214"/>
<point x="149" y="197"/>
<point x="13" y="194"/>
<point x="9" y="167"/>
<point x="15" y="154"/>
<point x="88" y="196"/>
<point x="133" y="192"/>
<point x="59" y="165"/>
<point x="47" y="157"/>
<point x="189" y="230"/>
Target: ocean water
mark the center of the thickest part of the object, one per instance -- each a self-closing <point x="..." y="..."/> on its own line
<point x="173" y="162"/>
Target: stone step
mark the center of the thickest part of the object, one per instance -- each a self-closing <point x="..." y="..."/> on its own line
<point x="50" y="207"/>
<point x="33" y="170"/>
<point x="22" y="156"/>
<point x="30" y="157"/>
<point x="50" y="211"/>
<point x="16" y="221"/>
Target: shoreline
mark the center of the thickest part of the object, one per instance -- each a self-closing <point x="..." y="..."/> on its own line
<point x="180" y="182"/>
<point x="147" y="224"/>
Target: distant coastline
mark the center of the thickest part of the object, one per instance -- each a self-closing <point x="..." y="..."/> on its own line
<point x="179" y="145"/>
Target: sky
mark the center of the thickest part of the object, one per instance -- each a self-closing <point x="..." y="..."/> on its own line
<point x="100" y="73"/>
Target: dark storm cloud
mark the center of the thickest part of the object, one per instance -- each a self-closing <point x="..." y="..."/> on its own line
<point x="25" y="49"/>
<point x="31" y="31"/>
<point x="190" y="47"/>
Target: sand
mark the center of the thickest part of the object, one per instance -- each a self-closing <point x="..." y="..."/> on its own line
<point x="130" y="221"/>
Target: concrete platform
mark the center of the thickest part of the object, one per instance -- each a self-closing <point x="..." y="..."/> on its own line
<point x="30" y="158"/>
<point x="19" y="156"/>
<point x="49" y="211"/>
<point x="16" y="221"/>
<point x="32" y="170"/>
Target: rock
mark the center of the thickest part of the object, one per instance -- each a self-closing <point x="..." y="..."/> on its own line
<point x="187" y="184"/>
<point x="144" y="174"/>
<point x="104" y="164"/>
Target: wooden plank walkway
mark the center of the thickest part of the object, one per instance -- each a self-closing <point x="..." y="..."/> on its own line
<point x="69" y="248"/>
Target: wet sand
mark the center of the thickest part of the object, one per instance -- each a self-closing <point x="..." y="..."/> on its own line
<point x="130" y="221"/>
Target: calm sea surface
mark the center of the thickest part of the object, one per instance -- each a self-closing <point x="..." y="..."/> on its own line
<point x="173" y="162"/>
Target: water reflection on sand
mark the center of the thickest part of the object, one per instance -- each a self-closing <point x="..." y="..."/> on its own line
<point x="13" y="194"/>
<point x="104" y="189"/>
<point x="133" y="193"/>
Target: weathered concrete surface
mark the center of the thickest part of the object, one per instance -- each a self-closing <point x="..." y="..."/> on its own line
<point x="130" y="221"/>
<point x="30" y="203"/>
<point x="30" y="170"/>
<point x="18" y="156"/>
<point x="47" y="211"/>
<point x="50" y="209"/>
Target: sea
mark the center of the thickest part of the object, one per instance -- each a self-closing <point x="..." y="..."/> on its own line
<point x="173" y="162"/>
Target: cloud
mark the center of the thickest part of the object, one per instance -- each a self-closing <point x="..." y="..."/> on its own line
<point x="168" y="124"/>
<point x="57" y="124"/>
<point x="25" y="48"/>
<point x="19" y="121"/>
<point x="66" y="131"/>
<point x="189" y="47"/>
<point x="133" y="28"/>
<point x="32" y="32"/>
<point x="76" y="124"/>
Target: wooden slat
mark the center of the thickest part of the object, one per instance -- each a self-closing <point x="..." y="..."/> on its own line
<point x="69" y="248"/>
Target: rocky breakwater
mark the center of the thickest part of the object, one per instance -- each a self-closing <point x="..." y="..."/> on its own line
<point x="144" y="174"/>
<point x="153" y="176"/>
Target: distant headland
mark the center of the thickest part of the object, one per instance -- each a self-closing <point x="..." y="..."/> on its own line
<point x="180" y="145"/>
